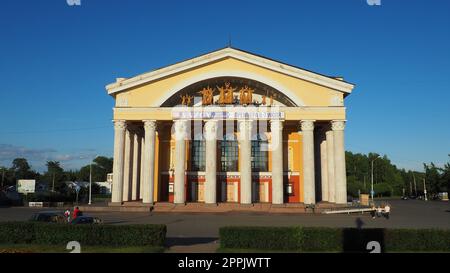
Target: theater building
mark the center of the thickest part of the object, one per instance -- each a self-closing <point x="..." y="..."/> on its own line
<point x="229" y="126"/>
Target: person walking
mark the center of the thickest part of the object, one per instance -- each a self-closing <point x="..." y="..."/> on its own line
<point x="67" y="214"/>
<point x="387" y="210"/>
<point x="379" y="211"/>
<point x="373" y="212"/>
<point x="76" y="212"/>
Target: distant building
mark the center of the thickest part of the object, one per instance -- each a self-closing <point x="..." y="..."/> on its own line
<point x="105" y="187"/>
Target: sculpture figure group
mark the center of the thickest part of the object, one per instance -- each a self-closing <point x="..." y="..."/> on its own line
<point x="226" y="96"/>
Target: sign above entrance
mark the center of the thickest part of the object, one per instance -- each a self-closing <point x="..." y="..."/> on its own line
<point x="226" y="113"/>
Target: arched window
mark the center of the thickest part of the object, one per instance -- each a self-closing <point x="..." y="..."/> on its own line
<point x="229" y="155"/>
<point x="260" y="161"/>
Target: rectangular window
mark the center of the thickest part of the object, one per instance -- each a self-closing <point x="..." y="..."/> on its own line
<point x="260" y="162"/>
<point x="290" y="158"/>
<point x="198" y="155"/>
<point x="229" y="156"/>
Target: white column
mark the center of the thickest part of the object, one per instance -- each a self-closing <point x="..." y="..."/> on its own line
<point x="119" y="143"/>
<point x="149" y="161"/>
<point x="307" y="127"/>
<point x="180" y="162"/>
<point x="210" y="190"/>
<point x="135" y="184"/>
<point x="245" y="164"/>
<point x="276" y="128"/>
<point x="127" y="165"/>
<point x="330" y="166"/>
<point x="141" y="175"/>
<point x="339" y="162"/>
<point x="323" y="166"/>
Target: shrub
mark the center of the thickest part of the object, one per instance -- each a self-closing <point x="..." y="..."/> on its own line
<point x="417" y="240"/>
<point x="60" y="234"/>
<point x="16" y="232"/>
<point x="49" y="197"/>
<point x="319" y="239"/>
<point x="260" y="237"/>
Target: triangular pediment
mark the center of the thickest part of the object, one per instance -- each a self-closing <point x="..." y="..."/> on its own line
<point x="333" y="83"/>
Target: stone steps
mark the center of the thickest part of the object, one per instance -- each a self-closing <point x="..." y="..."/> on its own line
<point x="137" y="206"/>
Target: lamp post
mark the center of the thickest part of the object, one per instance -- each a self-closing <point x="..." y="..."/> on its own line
<point x="425" y="190"/>
<point x="371" y="190"/>
<point x="90" y="183"/>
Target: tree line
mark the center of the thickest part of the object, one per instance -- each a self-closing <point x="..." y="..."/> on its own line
<point x="55" y="175"/>
<point x="388" y="179"/>
<point x="391" y="181"/>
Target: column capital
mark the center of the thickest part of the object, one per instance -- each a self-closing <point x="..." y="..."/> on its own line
<point x="180" y="127"/>
<point x="149" y="125"/>
<point x="276" y="124"/>
<point x="120" y="124"/>
<point x="210" y="129"/>
<point x="307" y="125"/>
<point x="338" y="125"/>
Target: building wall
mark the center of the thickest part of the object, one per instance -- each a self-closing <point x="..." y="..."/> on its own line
<point x="292" y="139"/>
<point x="154" y="93"/>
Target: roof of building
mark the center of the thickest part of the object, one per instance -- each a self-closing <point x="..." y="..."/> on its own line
<point x="336" y="83"/>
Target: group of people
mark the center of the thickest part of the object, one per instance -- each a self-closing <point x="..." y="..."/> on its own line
<point x="71" y="216"/>
<point x="381" y="211"/>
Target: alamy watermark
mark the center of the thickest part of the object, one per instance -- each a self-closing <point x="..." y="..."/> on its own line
<point x="373" y="2"/>
<point x="73" y="2"/>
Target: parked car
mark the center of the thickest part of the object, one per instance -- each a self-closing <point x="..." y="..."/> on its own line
<point x="80" y="220"/>
<point x="49" y="217"/>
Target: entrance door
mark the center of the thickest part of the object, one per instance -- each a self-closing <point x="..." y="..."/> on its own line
<point x="201" y="192"/>
<point x="197" y="192"/>
<point x="223" y="192"/>
<point x="264" y="192"/>
<point x="194" y="191"/>
<point x="231" y="192"/>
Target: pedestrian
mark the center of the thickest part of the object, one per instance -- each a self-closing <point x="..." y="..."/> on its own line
<point x="67" y="214"/>
<point x="373" y="212"/>
<point x="379" y="211"/>
<point x="387" y="210"/>
<point x="76" y="212"/>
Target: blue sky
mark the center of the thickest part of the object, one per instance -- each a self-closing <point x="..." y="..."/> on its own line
<point x="55" y="60"/>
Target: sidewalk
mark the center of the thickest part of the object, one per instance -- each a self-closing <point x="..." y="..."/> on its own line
<point x="192" y="245"/>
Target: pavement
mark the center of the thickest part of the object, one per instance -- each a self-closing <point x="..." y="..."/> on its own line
<point x="199" y="232"/>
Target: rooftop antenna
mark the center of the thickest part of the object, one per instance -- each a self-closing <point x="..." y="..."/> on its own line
<point x="229" y="40"/>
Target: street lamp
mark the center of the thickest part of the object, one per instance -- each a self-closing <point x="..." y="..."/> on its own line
<point x="371" y="191"/>
<point x="425" y="190"/>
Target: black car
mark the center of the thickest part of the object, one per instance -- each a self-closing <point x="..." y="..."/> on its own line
<point x="49" y="217"/>
<point x="80" y="220"/>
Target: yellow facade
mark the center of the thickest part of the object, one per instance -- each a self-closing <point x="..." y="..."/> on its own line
<point x="153" y="96"/>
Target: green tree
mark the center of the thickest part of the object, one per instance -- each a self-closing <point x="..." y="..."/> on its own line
<point x="434" y="178"/>
<point x="21" y="169"/>
<point x="101" y="166"/>
<point x="55" y="174"/>
<point x="446" y="176"/>
<point x="359" y="170"/>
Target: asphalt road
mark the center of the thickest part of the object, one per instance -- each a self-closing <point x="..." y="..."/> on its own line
<point x="404" y="214"/>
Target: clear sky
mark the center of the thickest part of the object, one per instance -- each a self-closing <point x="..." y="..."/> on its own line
<point x="56" y="59"/>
